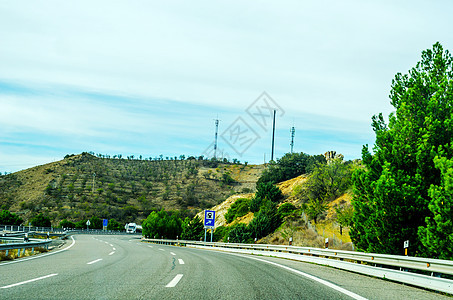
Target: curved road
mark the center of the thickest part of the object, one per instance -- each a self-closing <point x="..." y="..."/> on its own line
<point x="119" y="267"/>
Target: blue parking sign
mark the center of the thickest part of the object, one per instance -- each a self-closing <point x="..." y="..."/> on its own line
<point x="105" y="222"/>
<point x="209" y="218"/>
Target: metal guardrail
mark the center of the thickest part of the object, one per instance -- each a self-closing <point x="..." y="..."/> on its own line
<point x="392" y="267"/>
<point x="18" y="243"/>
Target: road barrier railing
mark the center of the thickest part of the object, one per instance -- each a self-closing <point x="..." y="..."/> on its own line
<point x="435" y="274"/>
<point x="13" y="243"/>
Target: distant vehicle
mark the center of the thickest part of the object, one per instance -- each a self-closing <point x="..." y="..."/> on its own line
<point x="133" y="228"/>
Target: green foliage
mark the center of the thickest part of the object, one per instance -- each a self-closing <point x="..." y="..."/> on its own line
<point x="115" y="225"/>
<point x="240" y="234"/>
<point x="67" y="224"/>
<point x="81" y="224"/>
<point x="95" y="223"/>
<point x="286" y="209"/>
<point x="8" y="218"/>
<point x="162" y="224"/>
<point x="345" y="215"/>
<point x="227" y="179"/>
<point x="266" y="220"/>
<point x="41" y="221"/>
<point x="327" y="181"/>
<point x="290" y="166"/>
<point x="315" y="208"/>
<point x="238" y="209"/>
<point x="192" y="229"/>
<point x="255" y="204"/>
<point x="401" y="187"/>
<point x="221" y="234"/>
<point x="437" y="236"/>
<point x="268" y="191"/>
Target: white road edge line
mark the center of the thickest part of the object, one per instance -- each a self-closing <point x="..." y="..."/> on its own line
<point x="111" y="253"/>
<point x="322" y="281"/>
<point x="28" y="281"/>
<point x="175" y="281"/>
<point x="172" y="253"/>
<point x="94" y="261"/>
<point x="181" y="262"/>
<point x="38" y="256"/>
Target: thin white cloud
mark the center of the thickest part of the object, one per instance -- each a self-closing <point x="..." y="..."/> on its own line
<point x="327" y="60"/>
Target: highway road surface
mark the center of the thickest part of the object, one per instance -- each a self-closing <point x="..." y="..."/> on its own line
<point x="123" y="267"/>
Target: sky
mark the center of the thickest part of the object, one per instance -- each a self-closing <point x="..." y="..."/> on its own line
<point x="151" y="77"/>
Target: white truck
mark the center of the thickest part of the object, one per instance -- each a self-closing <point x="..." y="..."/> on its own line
<point x="132" y="228"/>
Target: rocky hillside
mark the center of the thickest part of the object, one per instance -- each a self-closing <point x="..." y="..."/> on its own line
<point x="82" y="186"/>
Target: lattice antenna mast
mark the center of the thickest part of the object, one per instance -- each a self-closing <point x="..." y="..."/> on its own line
<point x="293" y="132"/>
<point x="216" y="132"/>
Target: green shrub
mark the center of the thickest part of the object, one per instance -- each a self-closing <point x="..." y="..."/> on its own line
<point x="240" y="234"/>
<point x="286" y="209"/>
<point x="266" y="220"/>
<point x="238" y="209"/>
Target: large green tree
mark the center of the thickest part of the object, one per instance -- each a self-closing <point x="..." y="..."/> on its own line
<point x="9" y="218"/>
<point x="393" y="195"/>
<point x="162" y="224"/>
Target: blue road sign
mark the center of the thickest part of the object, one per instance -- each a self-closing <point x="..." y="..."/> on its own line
<point x="209" y="218"/>
<point x="105" y="222"/>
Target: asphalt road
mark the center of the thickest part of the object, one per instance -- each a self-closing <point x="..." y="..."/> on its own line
<point x="120" y="267"/>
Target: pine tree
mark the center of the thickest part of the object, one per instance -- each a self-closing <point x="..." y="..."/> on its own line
<point x="392" y="196"/>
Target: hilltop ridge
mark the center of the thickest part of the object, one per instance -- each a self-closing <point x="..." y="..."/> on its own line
<point x="81" y="186"/>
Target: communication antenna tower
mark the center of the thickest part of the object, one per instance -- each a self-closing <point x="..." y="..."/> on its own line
<point x="293" y="132"/>
<point x="216" y="131"/>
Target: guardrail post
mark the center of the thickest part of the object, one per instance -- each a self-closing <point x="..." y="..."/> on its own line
<point x="7" y="252"/>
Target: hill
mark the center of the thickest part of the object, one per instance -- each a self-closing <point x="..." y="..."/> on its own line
<point x="304" y="232"/>
<point x="127" y="190"/>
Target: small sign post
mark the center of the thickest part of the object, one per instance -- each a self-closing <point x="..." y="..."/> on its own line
<point x="209" y="222"/>
<point x="105" y="223"/>
<point x="88" y="224"/>
<point x="327" y="243"/>
<point x="406" y="245"/>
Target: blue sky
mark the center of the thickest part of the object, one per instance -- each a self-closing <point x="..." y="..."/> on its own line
<point x="149" y="78"/>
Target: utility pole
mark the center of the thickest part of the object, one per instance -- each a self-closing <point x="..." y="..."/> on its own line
<point x="273" y="136"/>
<point x="215" y="143"/>
<point x="293" y="131"/>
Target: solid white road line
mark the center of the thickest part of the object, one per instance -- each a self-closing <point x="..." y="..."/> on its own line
<point x="111" y="253"/>
<point x="94" y="261"/>
<point x="28" y="281"/>
<point x="38" y="256"/>
<point x="322" y="281"/>
<point x="172" y="253"/>
<point x="175" y="281"/>
<point x="181" y="262"/>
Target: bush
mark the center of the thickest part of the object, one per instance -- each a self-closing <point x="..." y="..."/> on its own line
<point x="240" y="234"/>
<point x="238" y="209"/>
<point x="192" y="229"/>
<point x="266" y="220"/>
<point x="8" y="218"/>
<point x="41" y="221"/>
<point x="286" y="209"/>
<point x="67" y="224"/>
<point x="269" y="191"/>
<point x="289" y="166"/>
